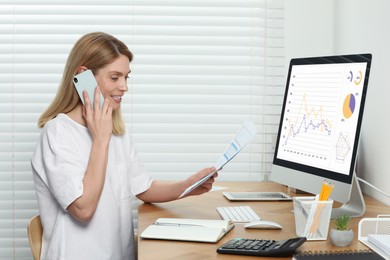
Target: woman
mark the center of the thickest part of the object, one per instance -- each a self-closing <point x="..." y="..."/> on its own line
<point x="85" y="167"/>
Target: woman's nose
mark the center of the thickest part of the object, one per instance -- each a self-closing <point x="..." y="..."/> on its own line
<point x="123" y="86"/>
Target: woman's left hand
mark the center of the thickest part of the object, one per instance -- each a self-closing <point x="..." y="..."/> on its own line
<point x="204" y="187"/>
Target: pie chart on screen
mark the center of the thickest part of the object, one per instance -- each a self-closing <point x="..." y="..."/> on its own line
<point x="349" y="105"/>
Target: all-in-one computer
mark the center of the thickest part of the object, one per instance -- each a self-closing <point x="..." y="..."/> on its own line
<point x="320" y="126"/>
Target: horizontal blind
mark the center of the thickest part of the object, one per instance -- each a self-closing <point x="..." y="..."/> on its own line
<point x="201" y="68"/>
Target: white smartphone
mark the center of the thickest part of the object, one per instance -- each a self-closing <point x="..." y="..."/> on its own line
<point x="86" y="81"/>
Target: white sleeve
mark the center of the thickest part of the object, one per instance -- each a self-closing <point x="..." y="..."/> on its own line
<point x="140" y="180"/>
<point x="59" y="165"/>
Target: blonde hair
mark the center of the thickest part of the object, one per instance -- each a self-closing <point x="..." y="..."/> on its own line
<point x="94" y="51"/>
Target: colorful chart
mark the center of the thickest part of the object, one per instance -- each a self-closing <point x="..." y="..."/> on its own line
<point x="359" y="78"/>
<point x="349" y="105"/>
<point x="343" y="146"/>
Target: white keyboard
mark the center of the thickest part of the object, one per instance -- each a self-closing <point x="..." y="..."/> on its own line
<point x="238" y="214"/>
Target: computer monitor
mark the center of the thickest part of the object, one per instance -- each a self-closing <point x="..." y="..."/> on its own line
<point x="320" y="125"/>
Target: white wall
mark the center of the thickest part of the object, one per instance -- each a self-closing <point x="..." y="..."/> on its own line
<point x="309" y="28"/>
<point x="322" y="27"/>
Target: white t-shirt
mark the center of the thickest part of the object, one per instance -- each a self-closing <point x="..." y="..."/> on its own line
<point x="59" y="163"/>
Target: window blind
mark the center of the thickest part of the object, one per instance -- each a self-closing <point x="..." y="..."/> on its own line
<point x="201" y="68"/>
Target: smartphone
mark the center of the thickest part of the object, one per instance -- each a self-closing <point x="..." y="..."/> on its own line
<point x="86" y="81"/>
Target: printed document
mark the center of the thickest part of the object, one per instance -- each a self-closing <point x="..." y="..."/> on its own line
<point x="242" y="138"/>
<point x="381" y="241"/>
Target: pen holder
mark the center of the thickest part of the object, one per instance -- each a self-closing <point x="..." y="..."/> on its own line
<point x="312" y="217"/>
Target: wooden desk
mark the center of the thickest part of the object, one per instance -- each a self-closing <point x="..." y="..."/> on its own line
<point x="204" y="207"/>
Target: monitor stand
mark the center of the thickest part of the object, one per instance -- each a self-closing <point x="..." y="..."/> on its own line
<point x="356" y="206"/>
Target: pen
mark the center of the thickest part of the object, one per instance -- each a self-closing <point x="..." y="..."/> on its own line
<point x="177" y="224"/>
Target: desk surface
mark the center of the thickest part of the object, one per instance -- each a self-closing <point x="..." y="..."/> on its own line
<point x="204" y="207"/>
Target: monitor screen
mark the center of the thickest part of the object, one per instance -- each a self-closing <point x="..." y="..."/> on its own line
<point x="320" y="122"/>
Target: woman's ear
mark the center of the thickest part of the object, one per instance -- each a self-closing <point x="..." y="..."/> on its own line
<point x="81" y="69"/>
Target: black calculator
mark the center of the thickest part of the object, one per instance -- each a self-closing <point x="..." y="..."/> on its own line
<point x="261" y="247"/>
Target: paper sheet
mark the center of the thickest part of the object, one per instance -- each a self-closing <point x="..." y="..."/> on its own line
<point x="381" y="241"/>
<point x="242" y="138"/>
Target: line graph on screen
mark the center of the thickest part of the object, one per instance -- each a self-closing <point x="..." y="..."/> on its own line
<point x="310" y="115"/>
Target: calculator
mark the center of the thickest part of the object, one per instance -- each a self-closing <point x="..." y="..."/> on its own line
<point x="261" y="247"/>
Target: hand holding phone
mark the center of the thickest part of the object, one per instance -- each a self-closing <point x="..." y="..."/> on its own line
<point x="86" y="81"/>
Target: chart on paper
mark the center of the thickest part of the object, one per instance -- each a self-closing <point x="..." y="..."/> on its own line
<point x="242" y="138"/>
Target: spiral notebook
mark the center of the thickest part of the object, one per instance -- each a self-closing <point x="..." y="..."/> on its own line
<point x="338" y="255"/>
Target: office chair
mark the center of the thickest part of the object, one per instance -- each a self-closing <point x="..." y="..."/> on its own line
<point x="35" y="231"/>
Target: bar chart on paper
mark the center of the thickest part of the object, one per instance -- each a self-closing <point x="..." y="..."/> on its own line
<point x="242" y="138"/>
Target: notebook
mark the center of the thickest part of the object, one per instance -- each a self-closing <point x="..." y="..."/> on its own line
<point x="198" y="230"/>
<point x="338" y="255"/>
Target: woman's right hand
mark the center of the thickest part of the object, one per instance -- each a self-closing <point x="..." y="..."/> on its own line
<point x="99" y="123"/>
<point x="98" y="119"/>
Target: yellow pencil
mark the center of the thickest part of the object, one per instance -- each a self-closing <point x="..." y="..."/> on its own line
<point x="329" y="189"/>
<point x="326" y="189"/>
<point x="324" y="196"/>
<point x="322" y="190"/>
